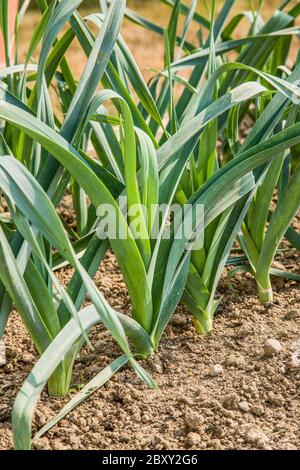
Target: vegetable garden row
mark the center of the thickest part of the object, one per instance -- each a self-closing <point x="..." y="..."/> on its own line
<point x="225" y="136"/>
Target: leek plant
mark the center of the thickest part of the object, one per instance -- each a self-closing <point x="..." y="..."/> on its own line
<point x="38" y="310"/>
<point x="262" y="231"/>
<point x="153" y="150"/>
<point x="210" y="62"/>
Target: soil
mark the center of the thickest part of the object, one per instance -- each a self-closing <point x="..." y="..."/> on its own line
<point x="216" y="392"/>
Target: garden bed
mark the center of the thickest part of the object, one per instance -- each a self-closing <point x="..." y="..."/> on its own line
<point x="254" y="403"/>
<point x="208" y="120"/>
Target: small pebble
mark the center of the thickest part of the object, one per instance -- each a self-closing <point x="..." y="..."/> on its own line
<point x="215" y="370"/>
<point x="2" y="354"/>
<point x="235" y="361"/>
<point x="272" y="347"/>
<point x="26" y="358"/>
<point x="193" y="439"/>
<point x="275" y="399"/>
<point x="193" y="421"/>
<point x="146" y="419"/>
<point x="295" y="358"/>
<point x="244" y="406"/>
<point x="230" y="401"/>
<point x="257" y="438"/>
